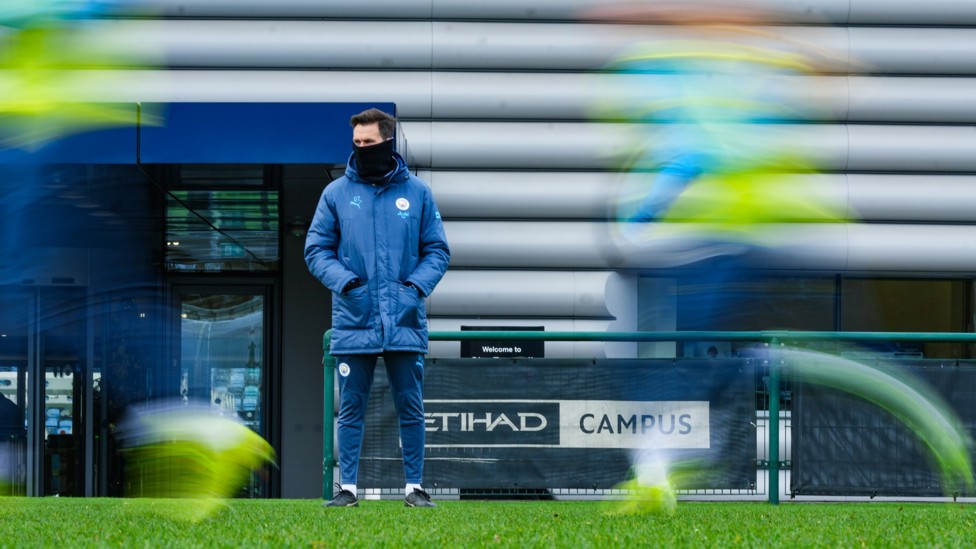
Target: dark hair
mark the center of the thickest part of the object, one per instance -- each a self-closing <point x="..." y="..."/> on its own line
<point x="387" y="124"/>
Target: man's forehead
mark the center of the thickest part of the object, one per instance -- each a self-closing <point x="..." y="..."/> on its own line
<point x="373" y="127"/>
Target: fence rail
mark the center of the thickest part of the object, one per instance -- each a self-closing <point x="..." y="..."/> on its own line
<point x="763" y="335"/>
<point x="774" y="338"/>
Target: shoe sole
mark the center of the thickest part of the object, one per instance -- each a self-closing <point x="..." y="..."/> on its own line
<point x="408" y="504"/>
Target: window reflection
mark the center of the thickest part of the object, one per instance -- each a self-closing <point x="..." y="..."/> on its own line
<point x="222" y="230"/>
<point x="222" y="353"/>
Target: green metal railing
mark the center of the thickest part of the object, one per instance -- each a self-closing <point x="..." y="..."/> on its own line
<point x="328" y="416"/>
<point x="775" y="339"/>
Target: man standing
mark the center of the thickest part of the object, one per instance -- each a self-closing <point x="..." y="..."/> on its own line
<point x="377" y="241"/>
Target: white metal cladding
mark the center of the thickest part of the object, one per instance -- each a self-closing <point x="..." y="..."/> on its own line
<point x="421" y="95"/>
<point x="502" y="104"/>
<point x="919" y="198"/>
<point x="937" y="12"/>
<point x="433" y="45"/>
<point x="832" y="247"/>
<point x="603" y="195"/>
<point x="524" y="195"/>
<point x="593" y="195"/>
<point x="594" y="146"/>
<point x="933" y="12"/>
<point x="600" y="301"/>
<point x="921" y="248"/>
<point x="583" y="294"/>
<point x="898" y="99"/>
<point x="598" y="245"/>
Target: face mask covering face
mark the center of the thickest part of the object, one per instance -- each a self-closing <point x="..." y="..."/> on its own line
<point x="373" y="162"/>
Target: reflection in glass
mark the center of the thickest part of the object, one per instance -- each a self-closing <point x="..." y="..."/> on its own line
<point x="63" y="342"/>
<point x="222" y="356"/>
<point x="13" y="432"/>
<point x="227" y="230"/>
<point x="13" y="392"/>
<point x="221" y="350"/>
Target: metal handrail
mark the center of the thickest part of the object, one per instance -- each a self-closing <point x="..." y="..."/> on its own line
<point x="761" y="335"/>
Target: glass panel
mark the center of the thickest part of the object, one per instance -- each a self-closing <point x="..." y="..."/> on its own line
<point x="738" y="301"/>
<point x="13" y="393"/>
<point x="742" y="302"/>
<point x="217" y="231"/>
<point x="64" y="355"/>
<point x="222" y="350"/>
<point x="908" y="305"/>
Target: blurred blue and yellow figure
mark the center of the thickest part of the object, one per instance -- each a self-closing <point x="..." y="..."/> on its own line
<point x="28" y="12"/>
<point x="48" y="46"/>
<point x="905" y="396"/>
<point x="192" y="454"/>
<point x="49" y="51"/>
<point x="657" y="476"/>
<point x="714" y="171"/>
<point x="709" y="87"/>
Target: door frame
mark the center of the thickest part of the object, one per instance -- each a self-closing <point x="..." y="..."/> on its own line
<point x="35" y="375"/>
<point x="270" y="288"/>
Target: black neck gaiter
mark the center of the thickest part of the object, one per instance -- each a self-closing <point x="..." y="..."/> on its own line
<point x="373" y="162"/>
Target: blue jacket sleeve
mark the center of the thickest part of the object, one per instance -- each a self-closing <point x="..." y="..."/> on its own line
<point x="322" y="246"/>
<point x="434" y="251"/>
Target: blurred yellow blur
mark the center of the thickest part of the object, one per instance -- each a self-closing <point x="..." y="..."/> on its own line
<point x="46" y="55"/>
<point x="193" y="453"/>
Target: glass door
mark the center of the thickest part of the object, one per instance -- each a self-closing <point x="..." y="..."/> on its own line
<point x="14" y="357"/>
<point x="45" y="358"/>
<point x="224" y="357"/>
<point x="64" y="366"/>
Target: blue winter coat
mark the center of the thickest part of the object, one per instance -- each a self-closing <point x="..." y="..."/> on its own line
<point x="386" y="235"/>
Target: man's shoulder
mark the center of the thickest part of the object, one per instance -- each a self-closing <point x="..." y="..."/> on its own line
<point x="340" y="181"/>
<point x="417" y="184"/>
<point x="338" y="185"/>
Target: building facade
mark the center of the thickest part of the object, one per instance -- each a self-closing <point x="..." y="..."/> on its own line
<point x="502" y="110"/>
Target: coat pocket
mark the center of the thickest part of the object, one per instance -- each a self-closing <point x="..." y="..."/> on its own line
<point x="411" y="312"/>
<point x="351" y="310"/>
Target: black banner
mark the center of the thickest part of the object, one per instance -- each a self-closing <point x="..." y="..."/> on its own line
<point x="844" y="445"/>
<point x="503" y="348"/>
<point x="564" y="423"/>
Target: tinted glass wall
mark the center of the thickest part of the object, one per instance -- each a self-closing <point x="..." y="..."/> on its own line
<point x="83" y="323"/>
<point x="757" y="301"/>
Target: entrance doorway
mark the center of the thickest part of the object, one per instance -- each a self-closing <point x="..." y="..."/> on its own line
<point x="225" y="356"/>
<point x="46" y="382"/>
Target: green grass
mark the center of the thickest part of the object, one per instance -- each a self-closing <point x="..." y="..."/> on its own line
<point x="66" y="522"/>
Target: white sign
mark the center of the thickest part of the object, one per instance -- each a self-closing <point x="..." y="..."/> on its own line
<point x="633" y="424"/>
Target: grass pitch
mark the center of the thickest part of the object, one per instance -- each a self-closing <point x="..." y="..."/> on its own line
<point x="67" y="522"/>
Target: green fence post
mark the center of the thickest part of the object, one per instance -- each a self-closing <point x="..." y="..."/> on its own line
<point x="775" y="356"/>
<point x="328" y="415"/>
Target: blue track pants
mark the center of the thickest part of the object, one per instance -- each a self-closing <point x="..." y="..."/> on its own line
<point x="406" y="374"/>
